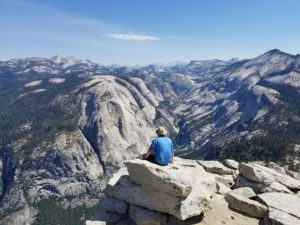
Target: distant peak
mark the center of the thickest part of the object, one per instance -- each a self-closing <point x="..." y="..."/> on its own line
<point x="277" y="52"/>
<point x="56" y="58"/>
<point x="274" y="51"/>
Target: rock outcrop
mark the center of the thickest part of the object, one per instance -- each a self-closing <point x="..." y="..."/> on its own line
<point x="92" y="118"/>
<point x="118" y="118"/>
<point x="216" y="167"/>
<point x="172" y="181"/>
<point x="246" y="205"/>
<point x="191" y="201"/>
<point x="276" y="216"/>
<point x="190" y="192"/>
<point x="267" y="176"/>
<point x="24" y="216"/>
<point x="287" y="203"/>
<point x="245" y="191"/>
<point x="232" y="164"/>
<point x="220" y="213"/>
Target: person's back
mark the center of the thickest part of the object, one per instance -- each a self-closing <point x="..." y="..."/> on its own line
<point x="162" y="149"/>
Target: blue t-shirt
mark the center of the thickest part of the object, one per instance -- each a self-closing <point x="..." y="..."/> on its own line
<point x="162" y="149"/>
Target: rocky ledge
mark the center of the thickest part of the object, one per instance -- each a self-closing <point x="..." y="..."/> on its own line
<point x="200" y="192"/>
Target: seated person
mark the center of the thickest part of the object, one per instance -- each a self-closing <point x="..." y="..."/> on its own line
<point x="161" y="150"/>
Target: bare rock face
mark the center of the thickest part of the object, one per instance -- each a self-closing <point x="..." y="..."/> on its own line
<point x="287" y="203"/>
<point x="122" y="187"/>
<point x="251" y="172"/>
<point x="222" y="189"/>
<point x="220" y="214"/>
<point x="262" y="174"/>
<point x="142" y="216"/>
<point x="242" y="181"/>
<point x="184" y="193"/>
<point x="14" y="199"/>
<point x="132" y="193"/>
<point x="232" y="164"/>
<point x="227" y="180"/>
<point x="260" y="187"/>
<point x="279" y="217"/>
<point x="172" y="179"/>
<point x="245" y="191"/>
<point x="215" y="167"/>
<point x="246" y="205"/>
<point x="118" y="118"/>
<point x="69" y="168"/>
<point x="293" y="174"/>
<point x="113" y="205"/>
<point x="276" y="187"/>
<point x="21" y="217"/>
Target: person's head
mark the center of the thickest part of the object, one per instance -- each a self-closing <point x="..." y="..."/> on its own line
<point x="161" y="131"/>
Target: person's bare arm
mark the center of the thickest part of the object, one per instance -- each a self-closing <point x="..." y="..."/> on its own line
<point x="172" y="146"/>
<point x="146" y="155"/>
<point x="172" y="158"/>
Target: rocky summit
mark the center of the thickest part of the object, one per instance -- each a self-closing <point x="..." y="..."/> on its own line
<point x="67" y="125"/>
<point x="191" y="192"/>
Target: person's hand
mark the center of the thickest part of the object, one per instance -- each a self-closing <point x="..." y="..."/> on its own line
<point x="144" y="155"/>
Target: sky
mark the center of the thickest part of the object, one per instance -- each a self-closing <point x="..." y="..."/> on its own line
<point x="140" y="32"/>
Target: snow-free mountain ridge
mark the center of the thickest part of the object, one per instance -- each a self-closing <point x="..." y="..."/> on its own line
<point x="66" y="124"/>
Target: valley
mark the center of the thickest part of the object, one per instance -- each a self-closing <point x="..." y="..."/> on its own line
<point x="66" y="125"/>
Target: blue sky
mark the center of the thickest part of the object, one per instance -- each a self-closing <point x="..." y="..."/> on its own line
<point x="132" y="32"/>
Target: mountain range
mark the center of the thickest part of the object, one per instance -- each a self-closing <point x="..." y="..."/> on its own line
<point x="67" y="124"/>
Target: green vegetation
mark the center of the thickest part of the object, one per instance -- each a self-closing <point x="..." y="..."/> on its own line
<point x="266" y="148"/>
<point x="51" y="213"/>
<point x="46" y="113"/>
<point x="282" y="133"/>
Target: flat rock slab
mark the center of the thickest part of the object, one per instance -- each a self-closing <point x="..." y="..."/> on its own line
<point x="215" y="167"/>
<point x="293" y="174"/>
<point x="253" y="173"/>
<point x="121" y="187"/>
<point x="222" y="189"/>
<point x="262" y="174"/>
<point x="276" y="187"/>
<point x="285" y="202"/>
<point x="232" y="164"/>
<point x="246" y="205"/>
<point x="175" y="179"/>
<point x="278" y="217"/>
<point x="247" y="192"/>
<point x="221" y="214"/>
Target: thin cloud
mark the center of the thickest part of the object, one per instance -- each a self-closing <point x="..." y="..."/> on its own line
<point x="173" y="37"/>
<point x="133" y="37"/>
